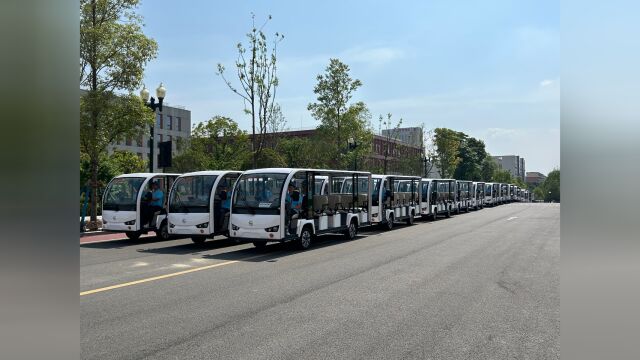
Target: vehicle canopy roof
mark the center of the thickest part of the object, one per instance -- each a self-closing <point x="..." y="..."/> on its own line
<point x="430" y="179"/>
<point x="292" y="170"/>
<point x="210" y="172"/>
<point x="145" y="175"/>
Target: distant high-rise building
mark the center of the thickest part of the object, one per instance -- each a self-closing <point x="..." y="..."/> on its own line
<point x="409" y="135"/>
<point x="534" y="178"/>
<point x="512" y="163"/>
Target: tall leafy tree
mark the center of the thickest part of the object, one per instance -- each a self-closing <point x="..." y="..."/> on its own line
<point x="502" y="176"/>
<point x="340" y="119"/>
<point x="447" y="144"/>
<point x="257" y="74"/>
<point x="472" y="152"/>
<point x="551" y="186"/>
<point x="113" y="53"/>
<point x="214" y="144"/>
<point x="488" y="167"/>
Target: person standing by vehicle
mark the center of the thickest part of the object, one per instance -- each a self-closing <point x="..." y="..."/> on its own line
<point x="155" y="202"/>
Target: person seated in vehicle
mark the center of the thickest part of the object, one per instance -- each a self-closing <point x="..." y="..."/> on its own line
<point x="154" y="202"/>
<point x="292" y="205"/>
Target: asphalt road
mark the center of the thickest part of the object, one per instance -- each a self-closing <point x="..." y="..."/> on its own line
<point x="483" y="285"/>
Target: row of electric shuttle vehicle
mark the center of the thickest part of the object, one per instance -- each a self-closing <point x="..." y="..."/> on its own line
<point x="285" y="204"/>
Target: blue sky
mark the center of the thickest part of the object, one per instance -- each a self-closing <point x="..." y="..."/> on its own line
<point x="488" y="68"/>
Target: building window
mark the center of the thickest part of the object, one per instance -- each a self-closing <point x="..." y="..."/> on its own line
<point x="179" y="119"/>
<point x="169" y="122"/>
<point x="159" y="120"/>
<point x="139" y="140"/>
<point x="160" y="137"/>
<point x="128" y="142"/>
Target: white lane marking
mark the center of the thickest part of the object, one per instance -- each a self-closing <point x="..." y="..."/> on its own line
<point x="180" y="265"/>
<point x="140" y="263"/>
<point x="511" y="218"/>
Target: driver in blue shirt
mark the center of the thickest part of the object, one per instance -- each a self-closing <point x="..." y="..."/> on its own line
<point x="156" y="202"/>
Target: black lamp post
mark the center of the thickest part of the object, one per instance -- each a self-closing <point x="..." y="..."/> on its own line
<point x="353" y="144"/>
<point x="151" y="104"/>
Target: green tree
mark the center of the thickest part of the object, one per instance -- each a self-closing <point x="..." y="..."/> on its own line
<point x="551" y="186"/>
<point x="447" y="144"/>
<point x="299" y="152"/>
<point x="339" y="119"/>
<point x="216" y="144"/>
<point x="257" y="74"/>
<point x="502" y="176"/>
<point x="126" y="162"/>
<point x="488" y="168"/>
<point x="472" y="153"/>
<point x="113" y="53"/>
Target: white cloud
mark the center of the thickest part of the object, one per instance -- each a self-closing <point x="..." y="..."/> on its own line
<point x="546" y="82"/>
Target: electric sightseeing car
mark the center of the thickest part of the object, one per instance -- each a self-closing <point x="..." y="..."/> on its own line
<point x="199" y="204"/>
<point x="478" y="192"/>
<point x="128" y="204"/>
<point x="437" y="197"/>
<point x="278" y="205"/>
<point x="489" y="194"/>
<point x="394" y="198"/>
<point x="464" y="195"/>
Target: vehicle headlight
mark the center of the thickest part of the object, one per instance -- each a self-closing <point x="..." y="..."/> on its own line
<point x="272" y="229"/>
<point x="131" y="222"/>
<point x="172" y="225"/>
<point x="203" y="225"/>
<point x="374" y="215"/>
<point x="234" y="227"/>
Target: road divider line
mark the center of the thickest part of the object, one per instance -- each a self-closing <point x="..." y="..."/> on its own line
<point x="160" y="277"/>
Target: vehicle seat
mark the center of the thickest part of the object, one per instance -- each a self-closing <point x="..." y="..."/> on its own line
<point x="333" y="201"/>
<point x="320" y="203"/>
<point x="363" y="200"/>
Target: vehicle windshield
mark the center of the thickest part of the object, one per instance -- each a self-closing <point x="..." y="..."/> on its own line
<point x="258" y="194"/>
<point x="122" y="194"/>
<point x="191" y="194"/>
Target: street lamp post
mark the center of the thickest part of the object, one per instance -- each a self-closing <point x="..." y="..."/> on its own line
<point x="151" y="104"/>
<point x="353" y="144"/>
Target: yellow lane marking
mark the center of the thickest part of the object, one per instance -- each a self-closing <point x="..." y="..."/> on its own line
<point x="89" y="292"/>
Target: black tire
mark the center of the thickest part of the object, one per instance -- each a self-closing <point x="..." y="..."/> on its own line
<point x="467" y="208"/>
<point x="435" y="214"/>
<point x="199" y="239"/>
<point x="260" y="244"/>
<point x="448" y="211"/>
<point x="133" y="235"/>
<point x="389" y="224"/>
<point x="305" y="239"/>
<point x="163" y="232"/>
<point x="410" y="219"/>
<point x="352" y="230"/>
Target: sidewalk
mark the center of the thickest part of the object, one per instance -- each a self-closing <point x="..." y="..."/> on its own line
<point x="102" y="236"/>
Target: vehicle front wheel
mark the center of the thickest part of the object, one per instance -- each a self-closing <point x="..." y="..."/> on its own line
<point x="449" y="212"/>
<point x="352" y="230"/>
<point x="304" y="242"/>
<point x="133" y="235"/>
<point x="390" y="222"/>
<point x="163" y="231"/>
<point x="410" y="219"/>
<point x="199" y="239"/>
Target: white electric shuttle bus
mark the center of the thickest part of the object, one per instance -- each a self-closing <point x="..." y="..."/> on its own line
<point x="437" y="197"/>
<point x="277" y="205"/>
<point x="127" y="203"/>
<point x="504" y="193"/>
<point x="394" y="198"/>
<point x="464" y="195"/>
<point x="199" y="204"/>
<point x="478" y="195"/>
<point x="489" y="194"/>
